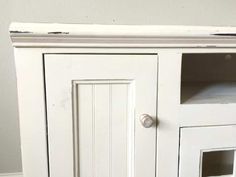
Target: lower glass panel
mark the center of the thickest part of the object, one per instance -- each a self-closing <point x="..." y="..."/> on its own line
<point x="217" y="163"/>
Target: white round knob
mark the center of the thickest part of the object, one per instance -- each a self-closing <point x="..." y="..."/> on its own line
<point x="146" y="120"/>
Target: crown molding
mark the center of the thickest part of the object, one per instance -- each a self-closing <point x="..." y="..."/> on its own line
<point x="93" y="35"/>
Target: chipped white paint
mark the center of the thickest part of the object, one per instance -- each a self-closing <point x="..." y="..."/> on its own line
<point x="72" y="35"/>
<point x="76" y="82"/>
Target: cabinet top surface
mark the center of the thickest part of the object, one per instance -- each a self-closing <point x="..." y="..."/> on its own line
<point x="43" y="34"/>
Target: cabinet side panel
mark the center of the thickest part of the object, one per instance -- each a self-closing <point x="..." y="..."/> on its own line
<point x="31" y="99"/>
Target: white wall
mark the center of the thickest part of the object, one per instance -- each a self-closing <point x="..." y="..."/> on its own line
<point x="184" y="12"/>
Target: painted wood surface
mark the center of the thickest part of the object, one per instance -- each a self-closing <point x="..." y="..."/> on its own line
<point x="78" y="35"/>
<point x="89" y="71"/>
<point x="209" y="92"/>
<point x="32" y="112"/>
<point x="108" y="139"/>
<point x="168" y="113"/>
<point x="93" y="30"/>
<point x="195" y="141"/>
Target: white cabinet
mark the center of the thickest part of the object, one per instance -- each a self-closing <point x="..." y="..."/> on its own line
<point x="126" y="101"/>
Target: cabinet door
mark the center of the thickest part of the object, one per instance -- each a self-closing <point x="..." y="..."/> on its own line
<point x="94" y="104"/>
<point x="208" y="151"/>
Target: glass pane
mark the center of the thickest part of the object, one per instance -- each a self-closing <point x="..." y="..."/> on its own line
<point x="217" y="163"/>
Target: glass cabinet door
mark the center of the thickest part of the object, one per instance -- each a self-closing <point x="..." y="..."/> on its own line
<point x="208" y="151"/>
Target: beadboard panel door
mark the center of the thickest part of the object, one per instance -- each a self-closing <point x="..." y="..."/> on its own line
<point x="94" y="102"/>
<point x="208" y="151"/>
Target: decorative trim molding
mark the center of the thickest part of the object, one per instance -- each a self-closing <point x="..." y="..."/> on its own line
<point x="81" y="35"/>
<point x="11" y="175"/>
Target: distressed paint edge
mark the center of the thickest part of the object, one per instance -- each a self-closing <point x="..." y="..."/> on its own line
<point x="93" y="35"/>
<point x="225" y="34"/>
<point x="42" y="29"/>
